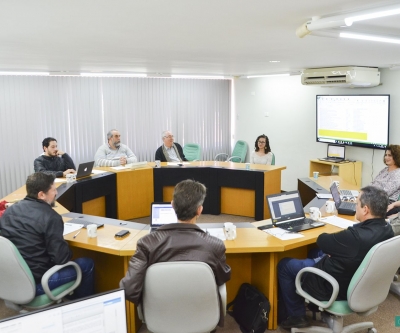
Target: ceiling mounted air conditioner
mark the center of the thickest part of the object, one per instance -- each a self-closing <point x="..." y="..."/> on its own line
<point x="347" y="77"/>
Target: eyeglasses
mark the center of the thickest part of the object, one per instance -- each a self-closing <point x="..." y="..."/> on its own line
<point x="261" y="141"/>
<point x="169" y="137"/>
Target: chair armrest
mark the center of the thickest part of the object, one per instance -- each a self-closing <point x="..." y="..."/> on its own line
<point x="54" y="269"/>
<point x="220" y="154"/>
<point x="327" y="277"/>
<point x="140" y="312"/>
<point x="232" y="157"/>
<point x="222" y="293"/>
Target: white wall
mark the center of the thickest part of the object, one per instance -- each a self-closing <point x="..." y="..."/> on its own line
<point x="291" y="123"/>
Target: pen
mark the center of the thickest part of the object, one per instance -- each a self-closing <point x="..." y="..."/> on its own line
<point x="121" y="223"/>
<point x="76" y="234"/>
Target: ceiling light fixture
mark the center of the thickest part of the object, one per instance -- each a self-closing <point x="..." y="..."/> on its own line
<point x="26" y="73"/>
<point x="113" y="75"/>
<point x="370" y="37"/>
<point x="274" y="61"/>
<point x="220" y="77"/>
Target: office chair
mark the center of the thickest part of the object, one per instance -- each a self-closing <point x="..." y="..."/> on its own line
<point x="238" y="154"/>
<point x="368" y="288"/>
<point x="273" y="158"/>
<point x="18" y="288"/>
<point x="181" y="297"/>
<point x="192" y="151"/>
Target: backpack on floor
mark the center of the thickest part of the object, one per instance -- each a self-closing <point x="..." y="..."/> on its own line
<point x="250" y="309"/>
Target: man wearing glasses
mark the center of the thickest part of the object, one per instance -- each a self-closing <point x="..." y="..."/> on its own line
<point x="170" y="151"/>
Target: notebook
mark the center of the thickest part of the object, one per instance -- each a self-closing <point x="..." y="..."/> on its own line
<point x="84" y="169"/>
<point x="343" y="207"/>
<point x="334" y="153"/>
<point x="161" y="213"/>
<point x="85" y="223"/>
<point x="287" y="212"/>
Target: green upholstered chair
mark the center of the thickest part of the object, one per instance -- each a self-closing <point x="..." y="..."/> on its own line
<point x="18" y="288"/>
<point x="273" y="158"/>
<point x="238" y="154"/>
<point x="368" y="288"/>
<point x="192" y="151"/>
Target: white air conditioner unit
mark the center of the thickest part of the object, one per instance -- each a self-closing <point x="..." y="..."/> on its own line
<point x="348" y="77"/>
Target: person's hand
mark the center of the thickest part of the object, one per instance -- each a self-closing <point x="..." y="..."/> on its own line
<point x="122" y="160"/>
<point x="66" y="172"/>
<point x="60" y="152"/>
<point x="391" y="206"/>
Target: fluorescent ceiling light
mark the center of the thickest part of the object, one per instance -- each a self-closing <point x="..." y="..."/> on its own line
<point x="266" y="75"/>
<point x="376" y="13"/>
<point x="113" y="75"/>
<point x="198" y="76"/>
<point x="26" y="73"/>
<point x="369" y="37"/>
<point x="274" y="61"/>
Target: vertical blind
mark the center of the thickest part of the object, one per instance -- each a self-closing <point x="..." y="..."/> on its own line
<point x="79" y="111"/>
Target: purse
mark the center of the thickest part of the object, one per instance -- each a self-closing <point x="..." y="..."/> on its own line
<point x="250" y="309"/>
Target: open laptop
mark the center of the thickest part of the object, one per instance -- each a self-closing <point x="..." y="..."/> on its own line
<point x="287" y="212"/>
<point x="161" y="213"/>
<point x="84" y="169"/>
<point x="335" y="153"/>
<point x="343" y="207"/>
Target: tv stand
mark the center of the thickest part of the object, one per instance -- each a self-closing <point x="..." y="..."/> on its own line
<point x="350" y="172"/>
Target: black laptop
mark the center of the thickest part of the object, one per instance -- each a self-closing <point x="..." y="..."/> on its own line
<point x="343" y="207"/>
<point x="335" y="153"/>
<point x="287" y="212"/>
<point x="161" y="213"/>
<point x="84" y="169"/>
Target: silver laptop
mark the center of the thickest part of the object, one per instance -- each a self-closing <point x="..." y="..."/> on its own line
<point x="287" y="212"/>
<point x="84" y="169"/>
<point x="335" y="153"/>
<point x="343" y="207"/>
<point x="161" y="213"/>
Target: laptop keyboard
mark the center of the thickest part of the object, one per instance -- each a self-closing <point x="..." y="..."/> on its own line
<point x="346" y="193"/>
<point x="296" y="223"/>
<point x="347" y="205"/>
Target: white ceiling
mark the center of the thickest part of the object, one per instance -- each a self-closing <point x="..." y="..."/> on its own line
<point x="226" y="37"/>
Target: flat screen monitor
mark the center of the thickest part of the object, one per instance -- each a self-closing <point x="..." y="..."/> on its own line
<point x="99" y="313"/>
<point x="354" y="120"/>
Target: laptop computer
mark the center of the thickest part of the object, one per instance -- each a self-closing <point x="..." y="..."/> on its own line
<point x="85" y="222"/>
<point x="84" y="169"/>
<point x="287" y="212"/>
<point x="161" y="213"/>
<point x="343" y="207"/>
<point x="335" y="153"/>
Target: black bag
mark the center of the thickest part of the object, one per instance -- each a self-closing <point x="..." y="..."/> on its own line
<point x="250" y="309"/>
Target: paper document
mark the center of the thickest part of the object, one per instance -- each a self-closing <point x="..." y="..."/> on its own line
<point x="216" y="232"/>
<point x="120" y="167"/>
<point x="71" y="227"/>
<point x="97" y="172"/>
<point x="324" y="196"/>
<point x="337" y="221"/>
<point x="177" y="163"/>
<point x="60" y="180"/>
<point x="282" y="234"/>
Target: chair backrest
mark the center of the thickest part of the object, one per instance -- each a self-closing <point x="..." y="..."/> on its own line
<point x="17" y="282"/>
<point x="240" y="150"/>
<point x="180" y="297"/>
<point x="370" y="284"/>
<point x="192" y="151"/>
<point x="273" y="158"/>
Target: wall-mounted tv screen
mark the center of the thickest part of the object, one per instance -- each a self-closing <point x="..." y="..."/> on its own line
<point x="354" y="120"/>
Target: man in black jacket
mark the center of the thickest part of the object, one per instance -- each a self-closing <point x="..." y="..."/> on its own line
<point x="53" y="161"/>
<point x="37" y="231"/>
<point x="169" y="151"/>
<point x="341" y="254"/>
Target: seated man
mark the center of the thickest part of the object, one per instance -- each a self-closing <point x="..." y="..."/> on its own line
<point x="37" y="231"/>
<point x="178" y="242"/>
<point x="169" y="151"/>
<point x="341" y="254"/>
<point x="53" y="161"/>
<point x="114" y="153"/>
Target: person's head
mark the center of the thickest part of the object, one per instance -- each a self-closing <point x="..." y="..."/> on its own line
<point x="262" y="143"/>
<point x="50" y="146"/>
<point x="41" y="186"/>
<point x="168" y="138"/>
<point x="372" y="202"/>
<point x="392" y="155"/>
<point x="188" y="199"/>
<point x="114" y="138"/>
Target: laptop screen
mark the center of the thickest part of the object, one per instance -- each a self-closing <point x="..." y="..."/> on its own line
<point x="335" y="151"/>
<point x="162" y="213"/>
<point x="285" y="206"/>
<point x="335" y="194"/>
<point x="98" y="313"/>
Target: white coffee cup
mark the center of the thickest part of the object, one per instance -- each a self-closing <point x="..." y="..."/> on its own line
<point x="315" y="174"/>
<point x="229" y="230"/>
<point x="92" y="230"/>
<point x="315" y="214"/>
<point x="158" y="163"/>
<point x="71" y="177"/>
<point x="330" y="206"/>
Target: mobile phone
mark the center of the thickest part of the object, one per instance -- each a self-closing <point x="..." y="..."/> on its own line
<point x="122" y="233"/>
<point x="267" y="226"/>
